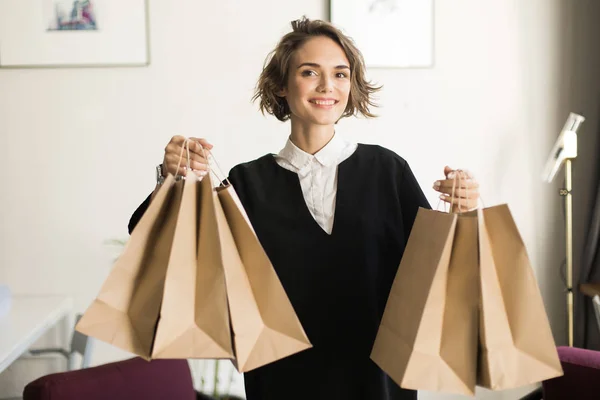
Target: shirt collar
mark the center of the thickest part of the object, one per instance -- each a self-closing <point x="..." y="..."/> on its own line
<point x="327" y="156"/>
<point x="331" y="153"/>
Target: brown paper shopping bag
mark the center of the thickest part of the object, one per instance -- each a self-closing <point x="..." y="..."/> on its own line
<point x="427" y="338"/>
<point x="126" y="310"/>
<point x="264" y="323"/>
<point x="194" y="317"/>
<point x="517" y="347"/>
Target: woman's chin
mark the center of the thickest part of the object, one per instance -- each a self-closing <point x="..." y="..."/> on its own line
<point x="319" y="118"/>
<point x="325" y="119"/>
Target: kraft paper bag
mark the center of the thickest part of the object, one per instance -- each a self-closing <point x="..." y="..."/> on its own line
<point x="265" y="325"/>
<point x="517" y="347"/>
<point x="126" y="310"/>
<point x="194" y="317"/>
<point x="428" y="336"/>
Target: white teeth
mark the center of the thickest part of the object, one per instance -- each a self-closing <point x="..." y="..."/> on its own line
<point x="324" y="102"/>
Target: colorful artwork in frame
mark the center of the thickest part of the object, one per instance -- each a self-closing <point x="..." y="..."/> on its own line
<point x="73" y="33"/>
<point x="70" y="15"/>
<point x="389" y="33"/>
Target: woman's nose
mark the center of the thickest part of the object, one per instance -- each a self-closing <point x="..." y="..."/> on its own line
<point x="325" y="85"/>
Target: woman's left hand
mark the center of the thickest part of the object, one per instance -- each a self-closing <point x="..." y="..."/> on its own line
<point x="466" y="189"/>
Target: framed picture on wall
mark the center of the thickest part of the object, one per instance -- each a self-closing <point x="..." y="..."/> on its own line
<point x="389" y="33"/>
<point x="73" y="33"/>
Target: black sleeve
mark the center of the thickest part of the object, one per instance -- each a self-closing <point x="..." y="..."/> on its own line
<point x="239" y="177"/>
<point x="235" y="179"/>
<point x="138" y="213"/>
<point x="411" y="198"/>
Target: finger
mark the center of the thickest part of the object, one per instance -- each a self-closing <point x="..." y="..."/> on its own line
<point x="176" y="140"/>
<point x="458" y="184"/>
<point x="203" y="142"/>
<point x="194" y="145"/>
<point x="197" y="162"/>
<point x="460" y="209"/>
<point x="466" y="204"/>
<point x="175" y="156"/>
<point x="458" y="200"/>
<point x="173" y="146"/>
<point x="451" y="173"/>
<point x="463" y="206"/>
<point x="199" y="148"/>
<point x="447" y="171"/>
<point x="460" y="173"/>
<point x="460" y="192"/>
<point x="173" y="169"/>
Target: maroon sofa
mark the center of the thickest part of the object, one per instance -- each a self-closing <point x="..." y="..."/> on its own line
<point x="581" y="379"/>
<point x="129" y="379"/>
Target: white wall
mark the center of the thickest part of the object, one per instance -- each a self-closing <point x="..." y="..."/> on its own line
<point x="78" y="146"/>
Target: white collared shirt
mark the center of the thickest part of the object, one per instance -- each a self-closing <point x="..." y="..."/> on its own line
<point x="318" y="175"/>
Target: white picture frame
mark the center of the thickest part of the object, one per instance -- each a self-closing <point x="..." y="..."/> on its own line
<point x="389" y="33"/>
<point x="116" y="33"/>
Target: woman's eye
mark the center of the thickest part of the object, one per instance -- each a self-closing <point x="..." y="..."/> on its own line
<point x="341" y="75"/>
<point x="308" y="72"/>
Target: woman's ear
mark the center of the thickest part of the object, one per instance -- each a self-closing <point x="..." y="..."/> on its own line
<point x="282" y="92"/>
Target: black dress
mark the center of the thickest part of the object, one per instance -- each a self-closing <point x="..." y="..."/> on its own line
<point x="338" y="284"/>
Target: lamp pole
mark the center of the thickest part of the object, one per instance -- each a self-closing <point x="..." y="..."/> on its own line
<point x="566" y="193"/>
<point x="564" y="152"/>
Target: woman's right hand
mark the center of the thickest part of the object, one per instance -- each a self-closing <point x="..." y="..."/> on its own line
<point x="198" y="163"/>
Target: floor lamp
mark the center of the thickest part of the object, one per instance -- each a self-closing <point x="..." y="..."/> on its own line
<point x="563" y="152"/>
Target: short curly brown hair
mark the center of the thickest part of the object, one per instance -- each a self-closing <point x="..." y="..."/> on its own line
<point x="275" y="73"/>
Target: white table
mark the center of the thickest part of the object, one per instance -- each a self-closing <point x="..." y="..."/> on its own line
<point x="30" y="316"/>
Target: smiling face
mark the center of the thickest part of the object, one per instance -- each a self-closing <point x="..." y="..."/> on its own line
<point x="318" y="84"/>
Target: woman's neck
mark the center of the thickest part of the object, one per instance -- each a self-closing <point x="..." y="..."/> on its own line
<point x="311" y="139"/>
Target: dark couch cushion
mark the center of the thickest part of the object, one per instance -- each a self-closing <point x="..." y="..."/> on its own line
<point x="129" y="379"/>
<point x="581" y="379"/>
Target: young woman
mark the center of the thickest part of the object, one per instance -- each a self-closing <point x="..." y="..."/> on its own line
<point x="333" y="216"/>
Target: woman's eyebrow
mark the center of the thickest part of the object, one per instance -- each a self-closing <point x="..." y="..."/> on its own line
<point x="315" y="65"/>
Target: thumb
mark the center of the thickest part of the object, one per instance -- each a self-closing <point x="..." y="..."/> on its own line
<point x="447" y="170"/>
<point x="203" y="142"/>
